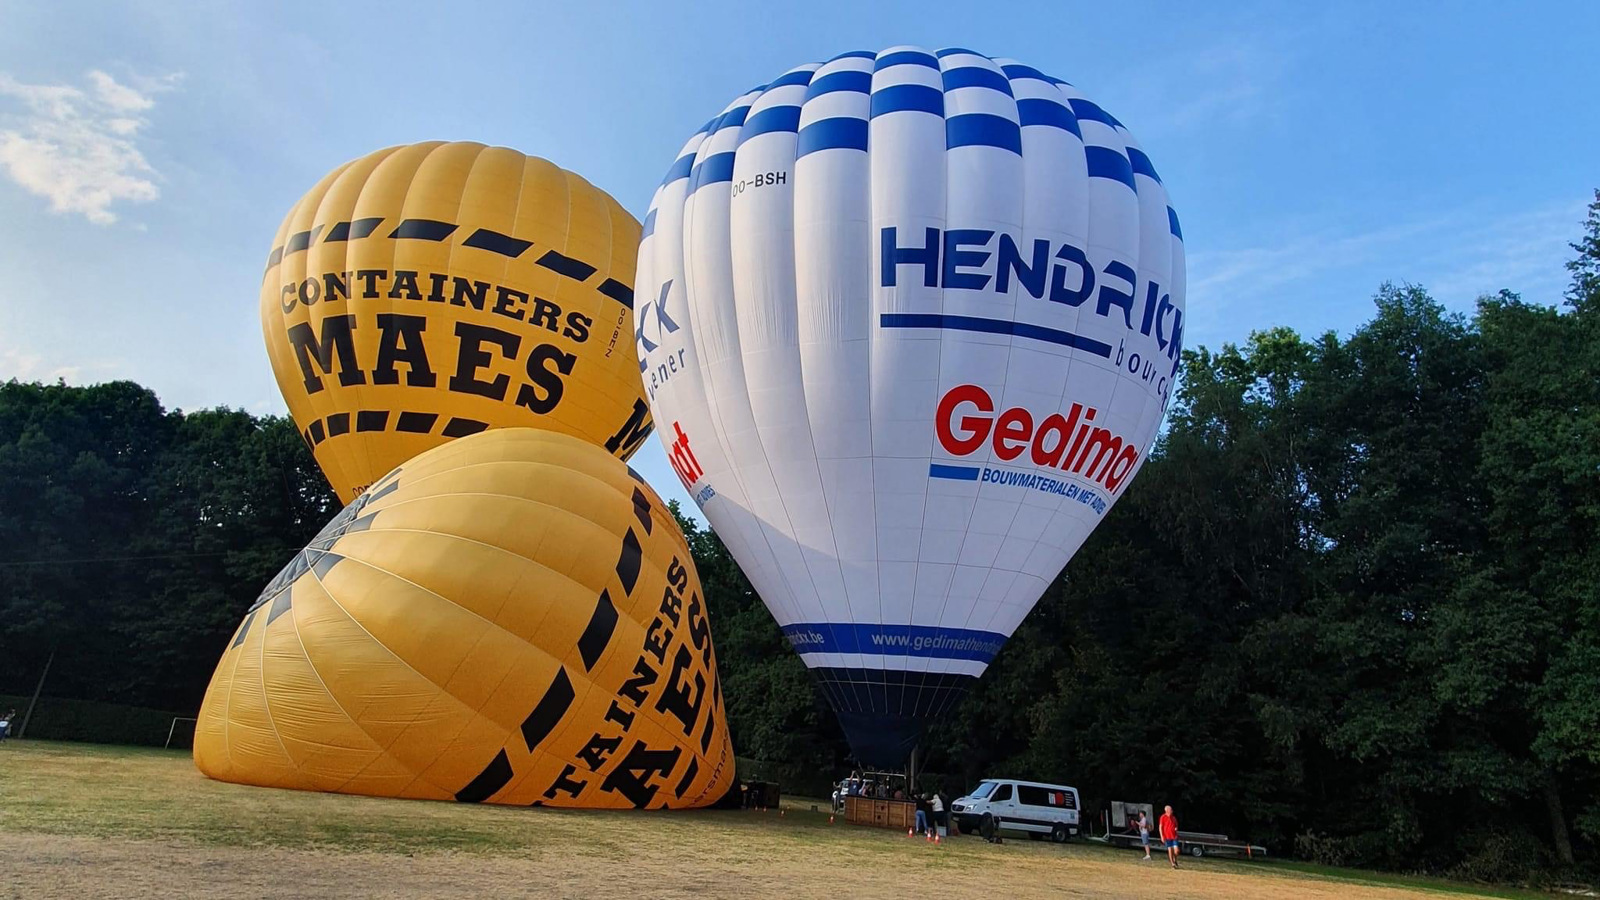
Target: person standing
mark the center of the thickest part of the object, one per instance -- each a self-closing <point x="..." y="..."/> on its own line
<point x="1169" y="835"/>
<point x="1144" y="834"/>
<point x="936" y="804"/>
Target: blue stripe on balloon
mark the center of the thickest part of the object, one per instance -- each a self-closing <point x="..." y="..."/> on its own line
<point x="952" y="51"/>
<point x="680" y="169"/>
<point x="953" y="473"/>
<point x="711" y="170"/>
<point x="777" y="118"/>
<point x="1084" y="109"/>
<point x="888" y="639"/>
<point x="840" y="132"/>
<point x="906" y="58"/>
<point x="849" y="80"/>
<point x="1038" y="111"/>
<point x="855" y="54"/>
<point x="976" y="76"/>
<point x="1141" y="164"/>
<point x="1017" y="70"/>
<point x="799" y="76"/>
<point x="982" y="130"/>
<point x="1105" y="162"/>
<point x="732" y="118"/>
<point x="649" y="225"/>
<point x="907" y="98"/>
<point x="1172" y="223"/>
<point x="995" y="326"/>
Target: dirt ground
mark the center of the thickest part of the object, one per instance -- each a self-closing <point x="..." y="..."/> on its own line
<point x="94" y="822"/>
<point x="54" y="866"/>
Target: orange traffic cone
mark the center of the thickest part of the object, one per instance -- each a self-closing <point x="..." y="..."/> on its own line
<point x="830" y="818"/>
<point x="910" y="832"/>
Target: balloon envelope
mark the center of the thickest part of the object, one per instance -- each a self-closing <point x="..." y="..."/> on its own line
<point x="512" y="618"/>
<point x="426" y="292"/>
<point x="908" y="322"/>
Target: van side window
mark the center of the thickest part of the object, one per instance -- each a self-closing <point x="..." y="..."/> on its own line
<point x="1001" y="794"/>
<point x="1034" y="796"/>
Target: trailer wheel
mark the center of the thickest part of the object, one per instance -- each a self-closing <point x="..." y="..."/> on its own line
<point x="1196" y="851"/>
<point x="1059" y="833"/>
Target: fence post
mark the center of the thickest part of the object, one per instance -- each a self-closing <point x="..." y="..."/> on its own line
<point x="23" y="731"/>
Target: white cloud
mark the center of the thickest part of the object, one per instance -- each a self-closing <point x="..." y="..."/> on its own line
<point x="77" y="147"/>
<point x="33" y="367"/>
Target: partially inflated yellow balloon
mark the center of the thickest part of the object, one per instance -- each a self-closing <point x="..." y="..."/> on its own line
<point x="512" y="617"/>
<point x="431" y="291"/>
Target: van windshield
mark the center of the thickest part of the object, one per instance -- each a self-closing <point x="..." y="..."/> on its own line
<point x="983" y="790"/>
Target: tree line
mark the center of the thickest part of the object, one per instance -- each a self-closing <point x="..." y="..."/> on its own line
<point x="1349" y="608"/>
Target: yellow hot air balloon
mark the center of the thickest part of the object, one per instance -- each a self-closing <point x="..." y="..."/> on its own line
<point x="512" y="617"/>
<point x="431" y="291"/>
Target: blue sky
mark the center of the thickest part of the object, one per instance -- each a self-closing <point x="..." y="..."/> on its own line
<point x="149" y="150"/>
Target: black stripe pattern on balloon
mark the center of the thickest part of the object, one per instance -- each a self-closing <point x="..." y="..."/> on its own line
<point x="557" y="699"/>
<point x="404" y="422"/>
<point x="435" y="231"/>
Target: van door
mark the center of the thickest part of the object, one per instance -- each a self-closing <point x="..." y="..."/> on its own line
<point x="1003" y="803"/>
<point x="1034" y="806"/>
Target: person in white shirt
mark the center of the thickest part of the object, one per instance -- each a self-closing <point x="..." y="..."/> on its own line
<point x="937" y="804"/>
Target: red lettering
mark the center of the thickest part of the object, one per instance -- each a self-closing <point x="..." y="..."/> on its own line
<point x="1015" y="424"/>
<point x="976" y="428"/>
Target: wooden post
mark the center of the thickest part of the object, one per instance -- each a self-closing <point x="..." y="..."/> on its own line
<point x="21" y="732"/>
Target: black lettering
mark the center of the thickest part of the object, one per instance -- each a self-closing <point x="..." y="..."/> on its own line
<point x="599" y="747"/>
<point x="620" y="716"/>
<point x="310" y="291"/>
<point x="699" y="629"/>
<point x="631" y="778"/>
<point x="657" y="639"/>
<point x="370" y="278"/>
<point x="529" y="396"/>
<point x="636" y="429"/>
<point x="506" y="301"/>
<point x="566" y="784"/>
<point x="407" y="282"/>
<point x="337" y="341"/>
<point x="634" y="688"/>
<point x="678" y="575"/>
<point x="472" y="292"/>
<point x="335" y="286"/>
<point x="436" y="287"/>
<point x="675" y="697"/>
<point x="400" y="340"/>
<point x="671" y="605"/>
<point x="472" y="357"/>
<point x="577" y="329"/>
<point x="544" y="314"/>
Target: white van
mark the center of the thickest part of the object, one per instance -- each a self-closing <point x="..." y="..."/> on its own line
<point x="1028" y="806"/>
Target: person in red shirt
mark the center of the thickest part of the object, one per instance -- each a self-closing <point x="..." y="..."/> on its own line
<point x="1169" y="835"/>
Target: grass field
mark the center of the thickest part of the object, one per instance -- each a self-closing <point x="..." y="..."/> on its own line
<point x="85" y="821"/>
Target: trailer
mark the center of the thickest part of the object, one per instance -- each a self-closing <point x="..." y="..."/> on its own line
<point x="1118" y="821"/>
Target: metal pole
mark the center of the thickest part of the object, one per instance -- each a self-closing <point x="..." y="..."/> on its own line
<point x="21" y="732"/>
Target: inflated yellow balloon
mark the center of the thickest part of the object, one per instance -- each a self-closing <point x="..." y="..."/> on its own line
<point x="512" y="617"/>
<point x="427" y="292"/>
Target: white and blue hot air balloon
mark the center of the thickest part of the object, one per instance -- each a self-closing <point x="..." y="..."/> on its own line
<point x="908" y="322"/>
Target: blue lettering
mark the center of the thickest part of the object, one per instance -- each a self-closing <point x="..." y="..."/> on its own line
<point x="893" y="256"/>
<point x="1059" y="293"/>
<point x="1030" y="277"/>
<point x="1110" y="296"/>
<point x="956" y="258"/>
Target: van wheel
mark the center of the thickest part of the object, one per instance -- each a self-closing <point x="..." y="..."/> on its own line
<point x="1196" y="850"/>
<point x="1059" y="833"/>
